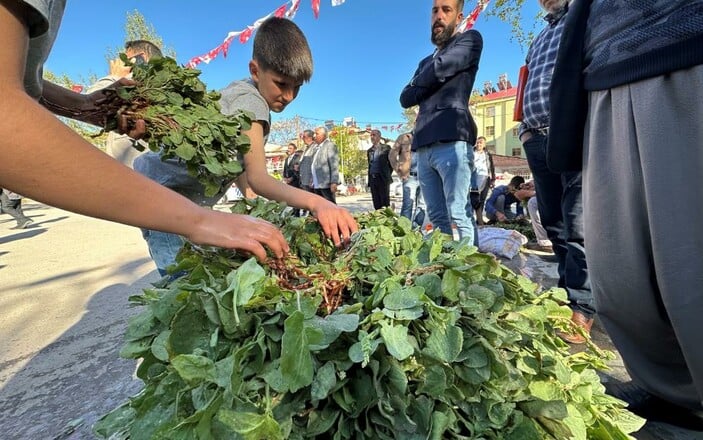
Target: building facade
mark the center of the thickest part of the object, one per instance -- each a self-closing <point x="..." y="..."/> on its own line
<point x="493" y="112"/>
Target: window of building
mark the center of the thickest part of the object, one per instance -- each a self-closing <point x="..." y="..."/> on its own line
<point x="515" y="131"/>
<point x="490" y="111"/>
<point x="517" y="151"/>
<point x="490" y="130"/>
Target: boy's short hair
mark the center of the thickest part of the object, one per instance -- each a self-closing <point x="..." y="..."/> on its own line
<point x="516" y="181"/>
<point x="281" y="47"/>
<point x="150" y="49"/>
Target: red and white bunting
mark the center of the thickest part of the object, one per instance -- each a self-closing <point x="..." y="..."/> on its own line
<point x="289" y="12"/>
<point x="246" y="34"/>
<point x="469" y="21"/>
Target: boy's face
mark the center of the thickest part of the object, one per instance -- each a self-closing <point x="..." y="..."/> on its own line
<point x="277" y="90"/>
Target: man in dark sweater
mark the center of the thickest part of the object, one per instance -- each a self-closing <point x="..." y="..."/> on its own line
<point x="640" y="77"/>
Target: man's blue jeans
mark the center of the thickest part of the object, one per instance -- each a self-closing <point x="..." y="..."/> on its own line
<point x="444" y="170"/>
<point x="561" y="211"/>
<point x="413" y="206"/>
<point x="163" y="248"/>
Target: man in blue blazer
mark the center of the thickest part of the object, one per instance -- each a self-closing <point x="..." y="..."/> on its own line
<point x="444" y="130"/>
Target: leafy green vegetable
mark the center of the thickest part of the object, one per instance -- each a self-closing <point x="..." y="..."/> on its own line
<point x="399" y="336"/>
<point x="184" y="120"/>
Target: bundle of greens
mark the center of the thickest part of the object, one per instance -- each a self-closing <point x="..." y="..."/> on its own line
<point x="184" y="120"/>
<point x="396" y="337"/>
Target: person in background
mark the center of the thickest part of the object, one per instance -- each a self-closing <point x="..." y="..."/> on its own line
<point x="444" y="129"/>
<point x="484" y="177"/>
<point x="56" y="166"/>
<point x="618" y="92"/>
<point x="120" y="146"/>
<point x="558" y="194"/>
<point x="305" y="164"/>
<point x="499" y="204"/>
<point x="11" y="204"/>
<point x="542" y="242"/>
<point x="291" y="166"/>
<point x="404" y="162"/>
<point x="325" y="166"/>
<point x="280" y="64"/>
<point x="379" y="172"/>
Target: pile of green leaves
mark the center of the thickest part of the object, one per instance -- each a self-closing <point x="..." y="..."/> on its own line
<point x="184" y="121"/>
<point x="522" y="225"/>
<point x="432" y="340"/>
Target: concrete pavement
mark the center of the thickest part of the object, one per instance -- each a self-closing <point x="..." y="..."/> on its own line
<point x="64" y="285"/>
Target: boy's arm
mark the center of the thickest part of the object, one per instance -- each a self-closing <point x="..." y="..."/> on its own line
<point x="336" y="222"/>
<point x="488" y="206"/>
<point x="56" y="166"/>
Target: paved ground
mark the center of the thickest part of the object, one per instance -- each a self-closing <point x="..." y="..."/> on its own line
<point x="64" y="286"/>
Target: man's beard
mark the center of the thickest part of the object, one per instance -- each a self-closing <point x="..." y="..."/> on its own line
<point x="441" y="38"/>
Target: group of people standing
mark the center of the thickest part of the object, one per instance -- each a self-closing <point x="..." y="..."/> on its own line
<point x="315" y="168"/>
<point x="606" y="79"/>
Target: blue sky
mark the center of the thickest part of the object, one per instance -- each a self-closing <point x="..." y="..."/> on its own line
<point x="364" y="51"/>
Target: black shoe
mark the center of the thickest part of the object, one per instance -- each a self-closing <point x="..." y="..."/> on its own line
<point x="654" y="408"/>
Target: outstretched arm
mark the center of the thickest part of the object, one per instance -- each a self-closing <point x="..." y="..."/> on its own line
<point x="336" y="222"/>
<point x="50" y="163"/>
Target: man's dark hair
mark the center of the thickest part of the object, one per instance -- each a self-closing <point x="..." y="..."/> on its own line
<point x="150" y="49"/>
<point x="309" y="133"/>
<point x="481" y="137"/>
<point x="516" y="181"/>
<point x="281" y="47"/>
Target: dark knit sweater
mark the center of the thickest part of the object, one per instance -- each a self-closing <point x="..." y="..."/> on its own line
<point x="631" y="40"/>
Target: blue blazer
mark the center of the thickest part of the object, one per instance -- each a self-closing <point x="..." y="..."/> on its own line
<point x="441" y="86"/>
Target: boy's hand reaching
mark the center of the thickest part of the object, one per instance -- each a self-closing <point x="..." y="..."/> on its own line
<point x="337" y="223"/>
<point x="241" y="232"/>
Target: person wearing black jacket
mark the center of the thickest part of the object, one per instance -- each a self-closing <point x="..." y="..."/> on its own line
<point x="380" y="171"/>
<point x="291" y="166"/>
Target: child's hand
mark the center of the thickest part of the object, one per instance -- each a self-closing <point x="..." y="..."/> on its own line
<point x="337" y="223"/>
<point x="241" y="232"/>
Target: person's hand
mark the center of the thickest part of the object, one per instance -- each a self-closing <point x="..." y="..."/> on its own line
<point x="100" y="106"/>
<point x="241" y="232"/>
<point x="336" y="222"/>
<point x="118" y="69"/>
<point x="524" y="194"/>
<point x="501" y="217"/>
<point x="333" y="188"/>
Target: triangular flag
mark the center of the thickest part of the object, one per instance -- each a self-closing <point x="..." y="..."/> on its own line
<point x="316" y="8"/>
<point x="337" y="2"/>
<point x="281" y="11"/>
<point x="293" y="9"/>
<point x="470" y="19"/>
